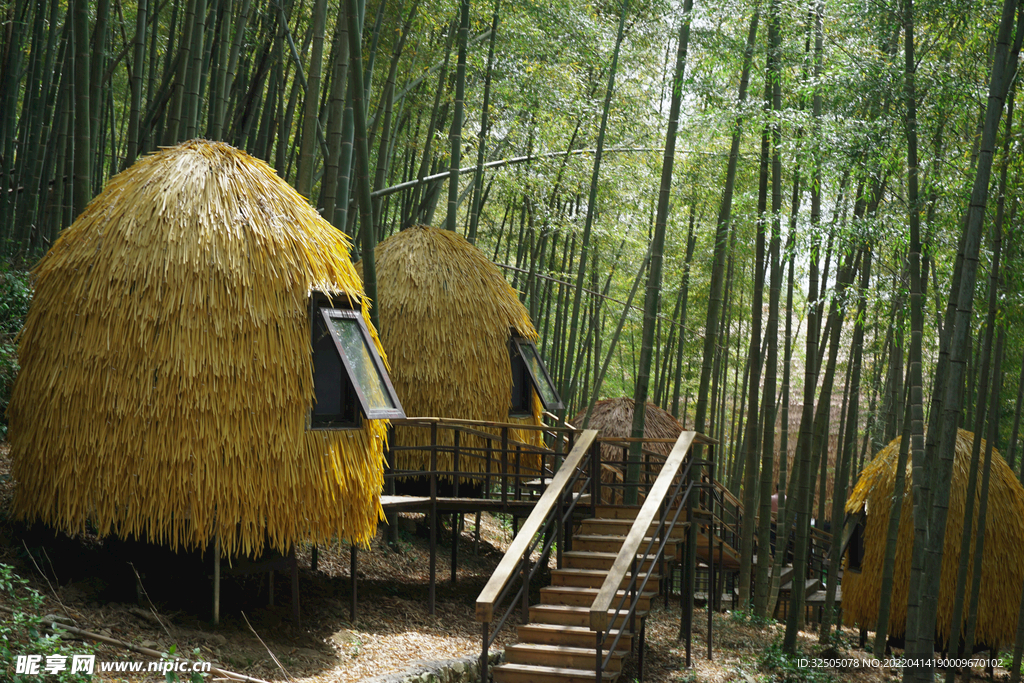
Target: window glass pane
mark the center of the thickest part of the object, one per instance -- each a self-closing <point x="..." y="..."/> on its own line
<point x="362" y="369"/>
<point x="545" y="389"/>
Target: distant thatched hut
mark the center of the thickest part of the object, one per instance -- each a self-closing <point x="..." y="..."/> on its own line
<point x="178" y="380"/>
<point x="1002" y="565"/>
<point x="460" y="341"/>
<point x="613" y="417"/>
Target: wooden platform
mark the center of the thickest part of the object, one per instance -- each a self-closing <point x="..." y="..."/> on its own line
<point x="447" y="505"/>
<point x="519" y="508"/>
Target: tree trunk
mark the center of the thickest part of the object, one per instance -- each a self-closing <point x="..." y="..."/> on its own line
<point x="307" y="149"/>
<point x="652" y="298"/>
<point x="848" y="451"/>
<point x="592" y="204"/>
<point x="83" y="162"/>
<point x="455" y="137"/>
<point x="722" y="234"/>
<point x="362" y="160"/>
<point x="1004" y="58"/>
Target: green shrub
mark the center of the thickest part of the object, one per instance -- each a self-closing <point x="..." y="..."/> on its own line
<point x="23" y="633"/>
<point x="15" y="297"/>
<point x="786" y="668"/>
<point x="749" y="618"/>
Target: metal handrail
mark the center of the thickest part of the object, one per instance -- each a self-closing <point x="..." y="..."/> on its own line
<point x="548" y="510"/>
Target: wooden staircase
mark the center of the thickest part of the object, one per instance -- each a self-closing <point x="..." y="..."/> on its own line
<point x="557" y="645"/>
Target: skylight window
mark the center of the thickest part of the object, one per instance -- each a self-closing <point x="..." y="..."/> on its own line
<point x="349" y="377"/>
<point x="528" y="369"/>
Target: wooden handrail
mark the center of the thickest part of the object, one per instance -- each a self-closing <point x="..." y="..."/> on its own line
<point x="450" y="421"/>
<point x="627" y="554"/>
<point x="533" y="524"/>
<point x="727" y="495"/>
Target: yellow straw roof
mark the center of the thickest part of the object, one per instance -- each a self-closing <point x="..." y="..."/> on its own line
<point x="1002" y="562"/>
<point x="445" y="314"/>
<point x="166" y="372"/>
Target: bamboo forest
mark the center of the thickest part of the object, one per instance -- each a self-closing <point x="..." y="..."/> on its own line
<point x="790" y="229"/>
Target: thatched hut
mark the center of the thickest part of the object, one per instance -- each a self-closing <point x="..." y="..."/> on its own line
<point x="460" y="341"/>
<point x="613" y="418"/>
<point x="177" y="378"/>
<point x="1002" y="564"/>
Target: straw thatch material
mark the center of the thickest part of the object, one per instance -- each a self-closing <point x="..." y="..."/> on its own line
<point x="445" y="314"/>
<point x="166" y="366"/>
<point x="613" y="417"/>
<point x="1002" y="564"/>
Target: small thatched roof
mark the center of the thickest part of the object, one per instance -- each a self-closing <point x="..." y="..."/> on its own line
<point x="445" y="315"/>
<point x="166" y="365"/>
<point x="613" y="417"/>
<point x="1002" y="564"/>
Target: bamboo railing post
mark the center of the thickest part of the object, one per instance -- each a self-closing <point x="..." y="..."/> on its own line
<point x="455" y="462"/>
<point x="389" y="486"/>
<point x="640" y="656"/>
<point x="455" y="515"/>
<point x="625" y="458"/>
<point x="433" y="516"/>
<point x="595" y="477"/>
<point x="559" y="530"/>
<point x="526" y="590"/>
<point x="517" y="487"/>
<point x="353" y="561"/>
<point x="517" y="483"/>
<point x="711" y="554"/>
<point x="504" y="467"/>
<point x="483" y="657"/>
<point x="632" y="596"/>
<point x="295" y="587"/>
<point x="600" y="656"/>
<point x="216" y="579"/>
<point x="487" y="470"/>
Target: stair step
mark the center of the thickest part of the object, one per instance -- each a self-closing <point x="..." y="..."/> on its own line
<point x="593" y="560"/>
<point x="582" y="596"/>
<point x="810" y="586"/>
<point x="594" y="578"/>
<point x="573" y="615"/>
<point x="571" y="636"/>
<point x="527" y="673"/>
<point x="611" y="544"/>
<point x="629" y="512"/>
<point x="620" y="527"/>
<point x="817" y="598"/>
<point x="560" y="656"/>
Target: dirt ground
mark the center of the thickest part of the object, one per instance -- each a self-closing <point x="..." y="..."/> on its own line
<point x="147" y="596"/>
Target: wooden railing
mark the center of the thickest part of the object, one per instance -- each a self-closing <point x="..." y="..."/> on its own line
<point x="552" y="512"/>
<point x="502" y="474"/>
<point x="664" y="501"/>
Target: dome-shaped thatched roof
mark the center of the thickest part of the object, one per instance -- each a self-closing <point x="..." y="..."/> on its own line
<point x="1002" y="564"/>
<point x="613" y="418"/>
<point x="166" y="372"/>
<point x="445" y="316"/>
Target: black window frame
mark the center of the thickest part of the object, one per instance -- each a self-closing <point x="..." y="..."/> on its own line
<point x="323" y="309"/>
<point x="516" y="344"/>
